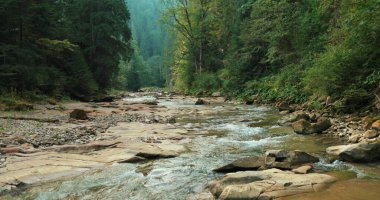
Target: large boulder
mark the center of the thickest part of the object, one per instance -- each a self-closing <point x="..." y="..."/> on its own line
<point x="268" y="184"/>
<point x="78" y="114"/>
<point x="305" y="127"/>
<point x="361" y="152"/>
<point x="293" y="118"/>
<point x="288" y="160"/>
<point x="200" y="102"/>
<point x="285" y="160"/>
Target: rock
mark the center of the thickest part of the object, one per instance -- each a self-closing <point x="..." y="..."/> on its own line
<point x="321" y="125"/>
<point x="371" y="134"/>
<point x="328" y="101"/>
<point x="376" y="125"/>
<point x="284" y="106"/>
<point x="268" y="184"/>
<point x="354" y="138"/>
<point x="303" y="169"/>
<point x="279" y="159"/>
<point x="216" y="94"/>
<point x="21" y="106"/>
<point x="78" y="114"/>
<point x="172" y="120"/>
<point x="200" y="102"/>
<point x="245" y="164"/>
<point x="156" y="155"/>
<point x="285" y="112"/>
<point x="290" y="159"/>
<point x="294" y="117"/>
<point x="302" y="127"/>
<point x="367" y="120"/>
<point x="93" y="146"/>
<point x="361" y="152"/>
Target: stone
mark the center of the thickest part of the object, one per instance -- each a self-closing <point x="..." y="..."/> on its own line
<point x="78" y="114"/>
<point x="268" y="184"/>
<point x="200" y="102"/>
<point x="303" y="169"/>
<point x="245" y="164"/>
<point x="321" y="125"/>
<point x="376" y="125"/>
<point x="367" y="122"/>
<point x="293" y="118"/>
<point x="290" y="159"/>
<point x="354" y="138"/>
<point x="279" y="159"/>
<point x="360" y="152"/>
<point x="371" y="134"/>
<point x="86" y="148"/>
<point x="302" y="127"/>
<point x="284" y="106"/>
<point x="216" y="94"/>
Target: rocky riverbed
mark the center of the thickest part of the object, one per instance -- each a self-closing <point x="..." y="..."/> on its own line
<point x="163" y="146"/>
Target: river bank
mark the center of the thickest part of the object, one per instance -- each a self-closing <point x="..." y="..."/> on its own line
<point x="139" y="128"/>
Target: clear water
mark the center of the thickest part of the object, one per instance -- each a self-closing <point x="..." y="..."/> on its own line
<point x="225" y="138"/>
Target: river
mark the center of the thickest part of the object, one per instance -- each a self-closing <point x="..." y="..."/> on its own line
<point x="221" y="137"/>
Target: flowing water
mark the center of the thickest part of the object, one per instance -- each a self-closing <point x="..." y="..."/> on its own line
<point x="222" y="137"/>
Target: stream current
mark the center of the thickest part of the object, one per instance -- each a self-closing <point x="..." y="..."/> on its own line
<point x="221" y="137"/>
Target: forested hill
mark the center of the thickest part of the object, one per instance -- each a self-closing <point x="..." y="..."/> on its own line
<point x="280" y="50"/>
<point x="151" y="42"/>
<point x="274" y="50"/>
<point x="62" y="47"/>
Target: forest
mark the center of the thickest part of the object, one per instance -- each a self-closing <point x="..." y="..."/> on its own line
<point x="190" y="99"/>
<point x="287" y="50"/>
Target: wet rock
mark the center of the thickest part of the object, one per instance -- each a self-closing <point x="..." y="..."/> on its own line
<point x="245" y="164"/>
<point x="361" y="152"/>
<point x="268" y="184"/>
<point x="78" y="114"/>
<point x="200" y="102"/>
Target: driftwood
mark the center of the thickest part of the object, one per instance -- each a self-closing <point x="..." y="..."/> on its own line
<point x="30" y="119"/>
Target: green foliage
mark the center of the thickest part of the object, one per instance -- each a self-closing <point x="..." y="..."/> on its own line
<point x="280" y="50"/>
<point x="206" y="83"/>
<point x="61" y="47"/>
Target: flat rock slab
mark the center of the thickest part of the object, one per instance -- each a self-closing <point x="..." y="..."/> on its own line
<point x="268" y="184"/>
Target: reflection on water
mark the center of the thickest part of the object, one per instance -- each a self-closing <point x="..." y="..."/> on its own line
<point x="227" y="137"/>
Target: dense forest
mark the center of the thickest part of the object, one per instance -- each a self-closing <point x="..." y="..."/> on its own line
<point x="280" y="50"/>
<point x="288" y="50"/>
<point x="62" y="47"/>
